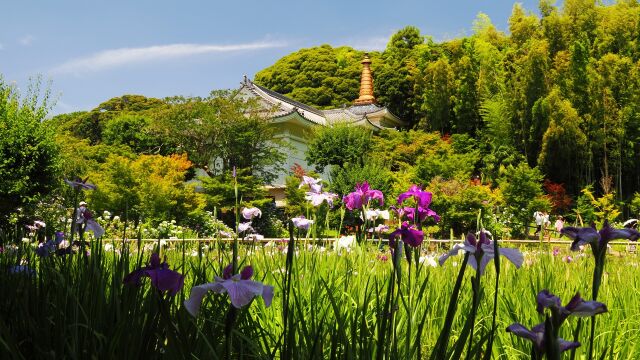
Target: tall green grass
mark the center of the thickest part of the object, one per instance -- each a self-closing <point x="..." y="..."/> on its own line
<point x="77" y="307"/>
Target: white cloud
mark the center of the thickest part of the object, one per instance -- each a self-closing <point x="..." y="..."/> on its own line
<point x="1" y="46"/>
<point x="26" y="40"/>
<point x="117" y="57"/>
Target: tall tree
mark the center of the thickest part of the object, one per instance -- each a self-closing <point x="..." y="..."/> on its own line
<point x="221" y="132"/>
<point x="338" y="145"/>
<point x="467" y="118"/>
<point x="29" y="156"/>
<point x="393" y="77"/>
<point x="564" y="152"/>
<point x="436" y="97"/>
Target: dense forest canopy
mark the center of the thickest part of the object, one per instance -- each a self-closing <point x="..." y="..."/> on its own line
<point x="558" y="90"/>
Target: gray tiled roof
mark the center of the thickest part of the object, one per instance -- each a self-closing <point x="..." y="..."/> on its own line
<point x="365" y="109"/>
<point x="289" y="100"/>
<point x="356" y="114"/>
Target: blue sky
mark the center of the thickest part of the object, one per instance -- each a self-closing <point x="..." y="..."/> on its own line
<point x="95" y="50"/>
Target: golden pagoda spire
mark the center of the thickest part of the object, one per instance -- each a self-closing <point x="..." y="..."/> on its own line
<point x="366" y="84"/>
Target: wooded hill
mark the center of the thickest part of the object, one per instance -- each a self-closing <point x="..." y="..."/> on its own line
<point x="559" y="90"/>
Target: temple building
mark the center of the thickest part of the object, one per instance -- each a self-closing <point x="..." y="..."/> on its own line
<point x="294" y="120"/>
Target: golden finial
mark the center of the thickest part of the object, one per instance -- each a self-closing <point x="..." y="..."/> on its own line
<point x="366" y="83"/>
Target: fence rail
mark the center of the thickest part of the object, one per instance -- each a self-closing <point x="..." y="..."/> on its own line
<point x="446" y="241"/>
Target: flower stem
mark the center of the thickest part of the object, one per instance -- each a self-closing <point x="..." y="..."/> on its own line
<point x="474" y="309"/>
<point x="440" y="348"/>
<point x="228" y="329"/>
<point x="286" y="346"/>
<point x="597" y="281"/>
<point x="74" y="214"/>
<point x="496" y="260"/>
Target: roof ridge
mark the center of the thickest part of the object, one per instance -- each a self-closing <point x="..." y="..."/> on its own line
<point x="288" y="100"/>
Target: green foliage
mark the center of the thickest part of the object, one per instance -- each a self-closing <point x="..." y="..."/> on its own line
<point x="584" y="210"/>
<point x="336" y="305"/>
<point x="130" y="130"/>
<point x="220" y="189"/>
<point x="322" y="76"/>
<point x="564" y="146"/>
<point x="338" y="145"/>
<point x="569" y="73"/>
<point x="403" y="149"/>
<point x="29" y="156"/>
<point x="217" y="135"/>
<point x="393" y="78"/>
<point x="344" y="180"/>
<point x="148" y="188"/>
<point x="635" y="205"/>
<point x="296" y="202"/>
<point x="423" y="156"/>
<point x="403" y="42"/>
<point x="604" y="207"/>
<point x="498" y="147"/>
<point x="521" y="188"/>
<point x="467" y="97"/>
<point x="79" y="157"/>
<point x="455" y="158"/>
<point x="220" y="194"/>
<point x="90" y="125"/>
<point x="437" y="93"/>
<point x="458" y="203"/>
<point x="207" y="224"/>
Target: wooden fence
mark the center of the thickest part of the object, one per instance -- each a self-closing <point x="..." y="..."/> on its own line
<point x="437" y="241"/>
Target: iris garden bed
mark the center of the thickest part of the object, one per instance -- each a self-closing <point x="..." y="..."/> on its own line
<point x="76" y="306"/>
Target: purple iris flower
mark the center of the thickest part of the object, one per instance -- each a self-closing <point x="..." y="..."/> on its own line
<point x="301" y="222"/>
<point x="45" y="249"/>
<point x="576" y="306"/>
<point x="250" y="213"/>
<point x="79" y="184"/>
<point x="597" y="239"/>
<point x="245" y="226"/>
<point x="240" y="288"/>
<point x="161" y="276"/>
<point x="536" y="335"/>
<point x="398" y="210"/>
<point x="423" y="198"/>
<point x="409" y="234"/>
<point x="315" y="185"/>
<point x="423" y="213"/>
<point x="22" y="269"/>
<point x="546" y="300"/>
<point x="482" y="251"/>
<point x="361" y="196"/>
<point x="379" y="229"/>
<point x="59" y="237"/>
<point x="317" y="198"/>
